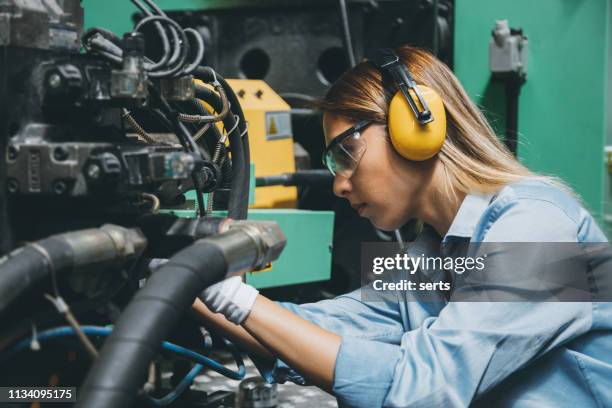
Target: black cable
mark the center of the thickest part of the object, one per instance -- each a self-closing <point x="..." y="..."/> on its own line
<point x="173" y="61"/>
<point x="215" y="102"/>
<point x="199" y="52"/>
<point x="183" y="50"/>
<point x="200" y="110"/>
<point x="346" y="31"/>
<point x="164" y="37"/>
<point x="513" y="90"/>
<point x="209" y="96"/>
<point x="179" y="128"/>
<point x="173" y="30"/>
<point x="220" y="115"/>
<point x="239" y="145"/>
<point x="186" y="140"/>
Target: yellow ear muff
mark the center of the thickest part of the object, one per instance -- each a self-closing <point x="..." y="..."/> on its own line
<point x="411" y="139"/>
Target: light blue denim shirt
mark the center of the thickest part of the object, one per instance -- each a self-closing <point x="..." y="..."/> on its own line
<point x="438" y="354"/>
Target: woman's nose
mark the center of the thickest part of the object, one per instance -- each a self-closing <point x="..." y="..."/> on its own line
<point x="342" y="186"/>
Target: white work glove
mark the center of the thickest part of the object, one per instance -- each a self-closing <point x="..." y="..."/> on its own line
<point x="230" y="297"/>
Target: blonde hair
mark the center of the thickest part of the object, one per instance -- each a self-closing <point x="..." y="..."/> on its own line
<point x="473" y="158"/>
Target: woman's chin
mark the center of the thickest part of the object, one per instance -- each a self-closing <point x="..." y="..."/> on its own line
<point x="382" y="224"/>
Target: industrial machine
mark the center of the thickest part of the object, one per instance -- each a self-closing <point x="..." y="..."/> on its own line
<point x="94" y="144"/>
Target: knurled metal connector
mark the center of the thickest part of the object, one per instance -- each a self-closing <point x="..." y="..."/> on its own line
<point x="268" y="237"/>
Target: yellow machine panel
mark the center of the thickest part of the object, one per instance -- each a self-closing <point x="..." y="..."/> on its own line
<point x="270" y="139"/>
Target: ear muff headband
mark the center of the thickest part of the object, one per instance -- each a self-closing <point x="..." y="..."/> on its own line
<point x="416" y="118"/>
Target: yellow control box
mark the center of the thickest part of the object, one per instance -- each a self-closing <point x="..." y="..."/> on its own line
<point x="270" y="138"/>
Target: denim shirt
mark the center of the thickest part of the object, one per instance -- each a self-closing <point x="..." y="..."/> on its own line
<point x="438" y="354"/>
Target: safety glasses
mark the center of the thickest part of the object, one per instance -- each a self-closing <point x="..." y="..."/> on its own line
<point x="343" y="154"/>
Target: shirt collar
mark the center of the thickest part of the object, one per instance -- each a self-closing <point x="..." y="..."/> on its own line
<point x="470" y="211"/>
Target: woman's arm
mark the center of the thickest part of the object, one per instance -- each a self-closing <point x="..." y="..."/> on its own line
<point x="346" y="315"/>
<point x="306" y="347"/>
<point x="233" y="332"/>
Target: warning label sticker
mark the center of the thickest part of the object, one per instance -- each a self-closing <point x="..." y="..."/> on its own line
<point x="278" y="125"/>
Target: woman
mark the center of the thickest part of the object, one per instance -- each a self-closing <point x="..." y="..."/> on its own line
<point x="407" y="352"/>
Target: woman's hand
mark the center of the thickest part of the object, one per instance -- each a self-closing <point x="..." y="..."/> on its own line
<point x="230" y="297"/>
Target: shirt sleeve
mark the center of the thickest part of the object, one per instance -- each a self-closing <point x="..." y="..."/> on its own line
<point x="453" y="358"/>
<point x="364" y="314"/>
<point x="349" y="317"/>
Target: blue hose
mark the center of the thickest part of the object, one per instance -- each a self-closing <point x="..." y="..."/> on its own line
<point x="200" y="360"/>
<point x="179" y="389"/>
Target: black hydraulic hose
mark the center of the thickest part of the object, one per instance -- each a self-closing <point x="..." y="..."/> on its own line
<point x="239" y="145"/>
<point x="226" y="170"/>
<point x="121" y="369"/>
<point x="168" y="234"/>
<point x="64" y="253"/>
<point x="209" y="96"/>
<point x="27" y="267"/>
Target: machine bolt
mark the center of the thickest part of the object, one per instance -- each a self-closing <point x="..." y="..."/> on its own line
<point x="55" y="80"/>
<point x="93" y="171"/>
<point x="12" y="185"/>
<point x="60" y="153"/>
<point x="12" y="152"/>
<point x="259" y="94"/>
<point x="59" y="187"/>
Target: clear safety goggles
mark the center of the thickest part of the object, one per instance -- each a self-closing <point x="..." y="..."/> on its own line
<point x="345" y="151"/>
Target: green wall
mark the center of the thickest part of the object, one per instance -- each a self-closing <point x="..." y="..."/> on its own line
<point x="564" y="104"/>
